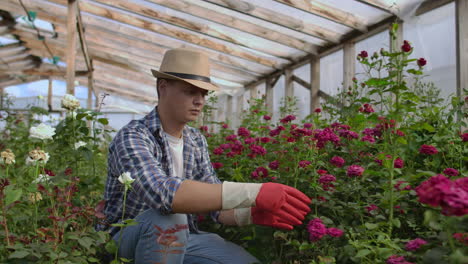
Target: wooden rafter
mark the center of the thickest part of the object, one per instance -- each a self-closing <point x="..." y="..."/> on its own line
<point x="278" y="18"/>
<point x="194" y="8"/>
<point x="57" y="13"/>
<point x="328" y="12"/>
<point x="379" y="4"/>
<point x="166" y="29"/>
<point x="127" y="53"/>
<point x="71" y="45"/>
<point x="429" y="5"/>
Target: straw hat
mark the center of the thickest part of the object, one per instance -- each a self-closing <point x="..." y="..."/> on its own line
<point x="186" y="65"/>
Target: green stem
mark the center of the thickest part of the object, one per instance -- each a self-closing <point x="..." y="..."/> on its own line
<point x="122" y="228"/>
<point x="35" y="204"/>
<point x="390" y="186"/>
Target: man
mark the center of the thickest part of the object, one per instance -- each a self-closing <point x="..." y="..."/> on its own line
<point x="174" y="179"/>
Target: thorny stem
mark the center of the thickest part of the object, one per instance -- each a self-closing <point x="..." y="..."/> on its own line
<point x="122" y="228"/>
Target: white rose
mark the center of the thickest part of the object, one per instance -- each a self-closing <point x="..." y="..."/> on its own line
<point x="126" y="178"/>
<point x="42" y="178"/>
<point x="70" y="102"/>
<point x="42" y="131"/>
<point x="79" y="144"/>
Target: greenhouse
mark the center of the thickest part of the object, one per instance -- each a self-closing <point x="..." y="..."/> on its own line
<point x="234" y="131"/>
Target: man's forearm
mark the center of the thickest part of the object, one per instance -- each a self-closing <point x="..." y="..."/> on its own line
<point x="197" y="197"/>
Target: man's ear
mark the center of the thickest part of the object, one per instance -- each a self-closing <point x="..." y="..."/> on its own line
<point x="162" y="87"/>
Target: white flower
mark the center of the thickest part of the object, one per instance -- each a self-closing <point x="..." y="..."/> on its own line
<point x="70" y="102"/>
<point x="126" y="178"/>
<point x="42" y="131"/>
<point x="80" y="144"/>
<point x="42" y="178"/>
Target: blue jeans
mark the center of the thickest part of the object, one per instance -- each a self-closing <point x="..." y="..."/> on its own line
<point x="166" y="239"/>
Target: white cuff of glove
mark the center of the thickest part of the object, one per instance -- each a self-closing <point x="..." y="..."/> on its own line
<point x="243" y="216"/>
<point x="239" y="195"/>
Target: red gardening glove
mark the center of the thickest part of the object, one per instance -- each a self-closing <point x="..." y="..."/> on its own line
<point x="286" y="203"/>
<point x="266" y="218"/>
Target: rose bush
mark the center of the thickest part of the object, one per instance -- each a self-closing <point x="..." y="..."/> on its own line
<point x="372" y="161"/>
<point x="50" y="182"/>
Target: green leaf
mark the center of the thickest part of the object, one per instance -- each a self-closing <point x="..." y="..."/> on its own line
<point x="428" y="127"/>
<point x="362" y="253"/>
<point x="19" y="254"/>
<point x="415" y="72"/>
<point x="85" y="242"/>
<point x="396" y="222"/>
<point x="103" y="121"/>
<point x="12" y="195"/>
<point x="247" y="238"/>
<point x="91" y="259"/>
<point x="402" y="141"/>
<point x="111" y="246"/>
<point x="371" y="226"/>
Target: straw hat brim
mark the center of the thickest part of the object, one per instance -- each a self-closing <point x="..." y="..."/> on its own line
<point x="200" y="84"/>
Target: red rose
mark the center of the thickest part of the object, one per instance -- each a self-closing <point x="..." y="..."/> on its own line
<point x="421" y="62"/>
<point x="363" y="54"/>
<point x="406" y="46"/>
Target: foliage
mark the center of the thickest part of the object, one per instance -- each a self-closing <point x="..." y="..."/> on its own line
<point x="366" y="159"/>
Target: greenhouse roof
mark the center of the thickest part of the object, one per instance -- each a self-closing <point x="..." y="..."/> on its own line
<point x="119" y="41"/>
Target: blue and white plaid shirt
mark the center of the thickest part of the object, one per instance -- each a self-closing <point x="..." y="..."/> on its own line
<point x="141" y="148"/>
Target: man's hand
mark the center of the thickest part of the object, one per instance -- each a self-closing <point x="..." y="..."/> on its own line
<point x="282" y="200"/>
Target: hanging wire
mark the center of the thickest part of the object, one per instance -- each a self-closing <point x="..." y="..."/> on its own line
<point x="39" y="36"/>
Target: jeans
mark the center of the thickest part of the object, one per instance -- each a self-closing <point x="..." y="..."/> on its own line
<point x="166" y="239"/>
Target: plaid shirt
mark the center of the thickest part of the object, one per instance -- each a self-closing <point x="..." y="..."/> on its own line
<point x="141" y="148"/>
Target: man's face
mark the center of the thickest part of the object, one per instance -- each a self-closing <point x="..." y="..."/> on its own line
<point x="184" y="100"/>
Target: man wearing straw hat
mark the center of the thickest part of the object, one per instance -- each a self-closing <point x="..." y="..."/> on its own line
<point x="174" y="178"/>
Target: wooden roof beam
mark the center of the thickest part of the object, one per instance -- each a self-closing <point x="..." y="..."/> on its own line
<point x="19" y="80"/>
<point x="278" y="18"/>
<point x="193" y="8"/>
<point x="83" y="44"/>
<point x="11" y="49"/>
<point x="430" y="5"/>
<point x="381" y="5"/>
<point x="137" y="21"/>
<point x="56" y="14"/>
<point x="145" y="63"/>
<point x="196" y="27"/>
<point x="328" y="12"/>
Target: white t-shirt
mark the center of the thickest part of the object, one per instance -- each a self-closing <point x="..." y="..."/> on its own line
<point x="176" y="146"/>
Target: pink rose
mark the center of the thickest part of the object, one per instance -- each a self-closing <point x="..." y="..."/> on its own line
<point x="337" y="161"/>
<point x="334" y="232"/>
<point x="428" y="150"/>
<point x="415" y="244"/>
<point x="355" y="170"/>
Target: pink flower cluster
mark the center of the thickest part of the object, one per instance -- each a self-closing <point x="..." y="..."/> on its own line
<point x="259" y="172"/>
<point x="366" y="108"/>
<point x="257" y="150"/>
<point x="243" y="132"/>
<point x="274" y="165"/>
<point x="464" y="137"/>
<point x="317" y="230"/>
<point x="354" y="171"/>
<point x="276" y="131"/>
<point x="326" y="181"/>
<point x="428" y="150"/>
<point x="394" y="259"/>
<point x="288" y="119"/>
<point x="461" y="237"/>
<point x="337" y="161"/>
<point x="372" y="207"/>
<point x="415" y="244"/>
<point x="324" y="136"/>
<point x="452" y="196"/>
<point x="304" y="163"/>
<point x="451" y="172"/>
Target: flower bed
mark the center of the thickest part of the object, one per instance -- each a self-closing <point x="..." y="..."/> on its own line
<point x="385" y="165"/>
